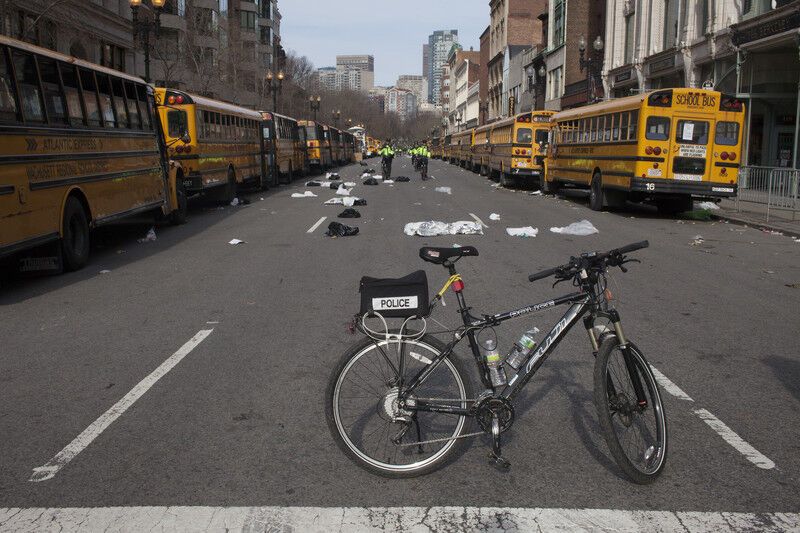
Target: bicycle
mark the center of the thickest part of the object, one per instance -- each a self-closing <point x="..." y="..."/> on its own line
<point x="400" y="380"/>
<point x="386" y="167"/>
<point x="423" y="167"/>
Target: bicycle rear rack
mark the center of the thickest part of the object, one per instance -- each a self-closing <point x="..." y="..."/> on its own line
<point x="403" y="333"/>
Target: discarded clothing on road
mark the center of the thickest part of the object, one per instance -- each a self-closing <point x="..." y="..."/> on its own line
<point x="359" y="201"/>
<point x="370" y="181"/>
<point x="430" y="228"/>
<point x="332" y="175"/>
<point x="527" y="231"/>
<point x="446" y="190"/>
<point x="347" y="202"/>
<point x="403" y="178"/>
<point x="349" y="213"/>
<point x="306" y="194"/>
<point x="343" y="191"/>
<point x="362" y="163"/>
<point x="337" y="229"/>
<point x="335" y="185"/>
<point x="584" y="227"/>
<point x="314" y="183"/>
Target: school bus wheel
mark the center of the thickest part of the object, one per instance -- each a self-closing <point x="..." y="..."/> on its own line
<point x="75" y="235"/>
<point x="596" y="200"/>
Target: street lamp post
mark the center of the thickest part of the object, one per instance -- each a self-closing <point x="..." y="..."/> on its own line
<point x="314" y="102"/>
<point x="540" y="84"/>
<point x="274" y="85"/>
<point x="459" y="118"/>
<point x="591" y="64"/>
<point x="336" y="115"/>
<point x="143" y="28"/>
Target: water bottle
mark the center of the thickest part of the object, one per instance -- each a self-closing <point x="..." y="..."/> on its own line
<point x="522" y="348"/>
<point x="495" y="363"/>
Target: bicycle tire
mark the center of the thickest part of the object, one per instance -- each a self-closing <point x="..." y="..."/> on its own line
<point x="449" y="451"/>
<point x="648" y="467"/>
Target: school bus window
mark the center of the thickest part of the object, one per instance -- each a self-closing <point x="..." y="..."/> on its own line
<point x="104" y="90"/>
<point x="524" y="135"/>
<point x="692" y="132"/>
<point x="8" y="104"/>
<point x="607" y="129"/>
<point x="73" y="94"/>
<point x="177" y="122"/>
<point x="90" y="97"/>
<point x="133" y="106"/>
<point x="623" y="126"/>
<point x="727" y="133"/>
<point x="633" y="124"/>
<point x="592" y="129"/>
<point x="51" y="90"/>
<point x="28" y="82"/>
<point x="119" y="103"/>
<point x="657" y="129"/>
<point x="144" y="105"/>
<point x="615" y="127"/>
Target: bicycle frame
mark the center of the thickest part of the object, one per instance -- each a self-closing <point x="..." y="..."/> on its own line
<point x="581" y="302"/>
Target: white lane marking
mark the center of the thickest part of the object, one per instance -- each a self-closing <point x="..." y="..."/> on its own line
<point x="62" y="458"/>
<point x="328" y="519"/>
<point x="669" y="386"/>
<point x="316" y="225"/>
<point x="479" y="221"/>
<point x="739" y="444"/>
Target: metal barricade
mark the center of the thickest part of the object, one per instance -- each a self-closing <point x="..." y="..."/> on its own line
<point x="774" y="187"/>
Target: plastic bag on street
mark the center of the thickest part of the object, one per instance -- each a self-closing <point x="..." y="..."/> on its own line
<point x="403" y="178"/>
<point x="306" y="194"/>
<point x="584" y="227"/>
<point x="337" y="229"/>
<point x="430" y="228"/>
<point x="446" y="190"/>
<point x="527" y="231"/>
<point x="357" y="201"/>
<point x="370" y="181"/>
<point x="150" y="237"/>
<point x="494" y="216"/>
<point x="343" y="191"/>
<point x="349" y="213"/>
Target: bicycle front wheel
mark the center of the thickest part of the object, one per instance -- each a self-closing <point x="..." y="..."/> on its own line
<point x="371" y="427"/>
<point x="634" y="427"/>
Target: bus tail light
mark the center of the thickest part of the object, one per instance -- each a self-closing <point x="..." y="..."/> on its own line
<point x="655" y="165"/>
<point x="729" y="103"/>
<point x="171" y="100"/>
<point x="187" y="149"/>
<point x="649" y="150"/>
<point x="657" y="150"/>
<point x="731" y="155"/>
<point x="724" y="156"/>
<point x="724" y="171"/>
<point x="179" y="149"/>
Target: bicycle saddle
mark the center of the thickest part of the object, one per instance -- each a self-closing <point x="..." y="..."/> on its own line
<point x="437" y="256"/>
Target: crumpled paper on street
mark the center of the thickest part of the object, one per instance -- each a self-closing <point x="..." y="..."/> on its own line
<point x="306" y="194"/>
<point x="430" y="228"/>
<point x="584" y="227"/>
<point x="527" y="231"/>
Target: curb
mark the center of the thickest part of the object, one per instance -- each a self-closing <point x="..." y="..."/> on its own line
<point x="744" y="221"/>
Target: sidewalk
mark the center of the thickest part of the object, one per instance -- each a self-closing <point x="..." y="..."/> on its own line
<point x="755" y="215"/>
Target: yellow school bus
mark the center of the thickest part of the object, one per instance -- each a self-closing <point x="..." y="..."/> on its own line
<point x="461" y="151"/>
<point x="79" y="148"/>
<point x="318" y="158"/>
<point x="662" y="147"/>
<point x="282" y="138"/>
<point x="372" y="146"/>
<point x="215" y="145"/>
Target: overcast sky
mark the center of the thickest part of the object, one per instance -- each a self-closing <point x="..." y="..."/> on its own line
<point x="391" y="30"/>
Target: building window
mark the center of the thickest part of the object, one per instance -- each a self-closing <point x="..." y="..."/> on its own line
<point x="112" y="56"/>
<point x="670" y="23"/>
<point x="703" y="18"/>
<point x="175" y="7"/>
<point x="223" y="6"/>
<point x="248" y="22"/>
<point x="559" y="22"/>
<point x="555" y="83"/>
<point x="266" y="36"/>
<point x="630" y="28"/>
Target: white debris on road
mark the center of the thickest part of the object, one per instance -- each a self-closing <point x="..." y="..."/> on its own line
<point x="709" y="206"/>
<point x="342" y="190"/>
<point x="697" y="240"/>
<point x="446" y="190"/>
<point x="151" y="236"/>
<point x="494" y="216"/>
<point x="236" y="241"/>
<point x="584" y="227"/>
<point x="429" y="228"/>
<point x="348" y="202"/>
<point x="388" y="181"/>
<point x="526" y="231"/>
<point x="234" y="202"/>
<point x="306" y="194"/>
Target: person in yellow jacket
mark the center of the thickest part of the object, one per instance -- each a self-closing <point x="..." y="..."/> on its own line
<point x="422" y="158"/>
<point x="387" y="155"/>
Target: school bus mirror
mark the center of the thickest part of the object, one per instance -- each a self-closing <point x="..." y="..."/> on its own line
<point x="186" y="138"/>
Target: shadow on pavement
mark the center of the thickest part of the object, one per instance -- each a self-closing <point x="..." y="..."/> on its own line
<point x="787" y="371"/>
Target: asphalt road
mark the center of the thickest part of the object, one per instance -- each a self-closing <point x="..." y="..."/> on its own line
<point x="239" y="420"/>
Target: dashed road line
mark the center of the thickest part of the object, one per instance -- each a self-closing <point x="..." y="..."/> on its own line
<point x="316" y="225"/>
<point x="669" y="386"/>
<point x="62" y="458"/>
<point x="329" y="519"/>
<point x="732" y="438"/>
<point x="478" y="220"/>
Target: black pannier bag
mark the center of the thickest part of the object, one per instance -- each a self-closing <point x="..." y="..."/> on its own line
<point x="395" y="297"/>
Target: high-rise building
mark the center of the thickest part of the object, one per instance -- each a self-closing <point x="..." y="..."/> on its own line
<point x="426" y="60"/>
<point x="401" y="101"/>
<point x="439" y="43"/>
<point x="364" y="65"/>
<point x="414" y="84"/>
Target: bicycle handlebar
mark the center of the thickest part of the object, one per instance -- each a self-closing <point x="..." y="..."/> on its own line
<point x="595" y="259"/>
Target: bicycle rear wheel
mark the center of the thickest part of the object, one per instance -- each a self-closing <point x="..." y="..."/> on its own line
<point x="367" y="422"/>
<point x="635" y="431"/>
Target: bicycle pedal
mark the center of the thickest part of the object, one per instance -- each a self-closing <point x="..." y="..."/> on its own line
<point x="499" y="461"/>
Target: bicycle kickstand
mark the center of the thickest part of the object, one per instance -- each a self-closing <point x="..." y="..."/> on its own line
<point x="495" y="456"/>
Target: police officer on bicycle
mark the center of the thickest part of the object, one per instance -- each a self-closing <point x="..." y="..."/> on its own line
<point x="423" y="154"/>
